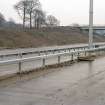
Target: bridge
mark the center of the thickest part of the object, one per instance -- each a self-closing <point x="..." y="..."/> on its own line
<point x="100" y="30"/>
<point x="94" y="27"/>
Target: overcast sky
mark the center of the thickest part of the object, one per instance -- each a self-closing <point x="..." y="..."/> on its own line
<point x="67" y="11"/>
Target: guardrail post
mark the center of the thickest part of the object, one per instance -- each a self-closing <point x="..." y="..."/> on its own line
<point x="20" y="64"/>
<point x="2" y="57"/>
<point x="78" y="55"/>
<point x="46" y="53"/>
<point x="59" y="51"/>
<point x="59" y="59"/>
<point x="20" y="67"/>
<point x="72" y="57"/>
<point x="99" y="52"/>
<point x="43" y="62"/>
<point x="85" y="53"/>
<point x="84" y="48"/>
<point x="20" y="55"/>
<point x="39" y="54"/>
<point x="96" y="53"/>
<point x="104" y="51"/>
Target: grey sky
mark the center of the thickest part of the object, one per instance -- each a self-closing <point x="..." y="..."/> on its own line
<point x="67" y="11"/>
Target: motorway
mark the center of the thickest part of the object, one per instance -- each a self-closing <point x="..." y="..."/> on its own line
<point x="82" y="83"/>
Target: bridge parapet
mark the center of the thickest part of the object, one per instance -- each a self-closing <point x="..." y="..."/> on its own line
<point x="94" y="27"/>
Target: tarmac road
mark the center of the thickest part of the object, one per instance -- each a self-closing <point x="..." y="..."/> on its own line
<point x="82" y="83"/>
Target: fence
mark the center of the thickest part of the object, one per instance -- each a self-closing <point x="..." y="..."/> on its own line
<point x="42" y="51"/>
<point x="29" y="63"/>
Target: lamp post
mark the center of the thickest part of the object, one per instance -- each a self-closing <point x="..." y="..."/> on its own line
<point x="91" y="24"/>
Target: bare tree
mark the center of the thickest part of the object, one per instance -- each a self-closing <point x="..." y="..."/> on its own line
<point x="21" y="8"/>
<point x="26" y="8"/>
<point x="32" y="6"/>
<point x="52" y="21"/>
<point x="30" y="11"/>
<point x="39" y="18"/>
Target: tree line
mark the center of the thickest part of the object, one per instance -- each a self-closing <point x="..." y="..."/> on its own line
<point x="8" y="24"/>
<point x="33" y="16"/>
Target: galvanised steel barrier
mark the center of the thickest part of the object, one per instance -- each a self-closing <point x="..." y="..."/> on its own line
<point x="44" y="51"/>
<point x="43" y="58"/>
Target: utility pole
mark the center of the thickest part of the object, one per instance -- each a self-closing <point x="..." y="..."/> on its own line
<point x="91" y="24"/>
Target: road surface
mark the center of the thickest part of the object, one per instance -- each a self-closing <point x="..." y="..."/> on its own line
<point x="82" y="83"/>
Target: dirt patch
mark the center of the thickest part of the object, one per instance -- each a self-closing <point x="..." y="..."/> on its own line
<point x="43" y="37"/>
